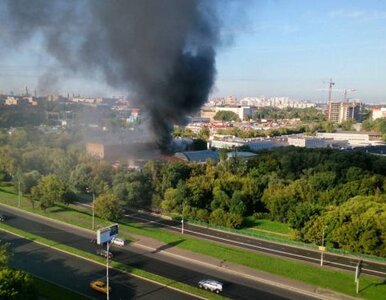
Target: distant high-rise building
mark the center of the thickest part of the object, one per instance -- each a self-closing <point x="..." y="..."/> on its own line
<point x="230" y="100"/>
<point x="338" y="112"/>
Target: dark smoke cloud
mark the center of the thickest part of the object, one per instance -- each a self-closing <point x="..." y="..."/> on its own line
<point x="162" y="51"/>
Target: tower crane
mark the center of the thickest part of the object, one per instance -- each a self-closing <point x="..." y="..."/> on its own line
<point x="345" y="99"/>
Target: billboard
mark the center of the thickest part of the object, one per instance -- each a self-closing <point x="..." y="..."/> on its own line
<point x="107" y="234"/>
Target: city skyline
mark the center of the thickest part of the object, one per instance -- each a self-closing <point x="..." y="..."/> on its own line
<point x="270" y="48"/>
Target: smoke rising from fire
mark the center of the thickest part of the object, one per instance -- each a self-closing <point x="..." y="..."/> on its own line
<point x="163" y="52"/>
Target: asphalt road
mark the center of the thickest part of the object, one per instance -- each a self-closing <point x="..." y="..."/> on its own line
<point x="337" y="261"/>
<point x="76" y="273"/>
<point x="235" y="287"/>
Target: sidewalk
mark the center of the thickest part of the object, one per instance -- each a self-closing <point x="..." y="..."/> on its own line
<point x="152" y="245"/>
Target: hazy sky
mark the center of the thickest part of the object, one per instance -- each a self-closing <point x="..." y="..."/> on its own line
<point x="275" y="48"/>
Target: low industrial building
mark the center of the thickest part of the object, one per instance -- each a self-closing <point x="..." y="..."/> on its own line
<point x="198" y="156"/>
<point x="315" y="142"/>
<point x="354" y="139"/>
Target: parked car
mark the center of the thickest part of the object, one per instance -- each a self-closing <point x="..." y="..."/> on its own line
<point x="100" y="286"/>
<point x="119" y="242"/>
<point x="104" y="253"/>
<point x="211" y="285"/>
<point x="3" y="218"/>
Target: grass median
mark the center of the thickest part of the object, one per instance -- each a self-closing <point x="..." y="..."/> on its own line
<point x="339" y="281"/>
<point x="120" y="266"/>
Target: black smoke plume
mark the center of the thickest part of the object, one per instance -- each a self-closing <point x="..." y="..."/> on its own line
<point x="162" y="51"/>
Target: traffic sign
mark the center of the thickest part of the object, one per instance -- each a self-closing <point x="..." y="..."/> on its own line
<point x="107" y="234"/>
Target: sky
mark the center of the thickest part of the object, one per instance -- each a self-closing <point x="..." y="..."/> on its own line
<point x="271" y="47"/>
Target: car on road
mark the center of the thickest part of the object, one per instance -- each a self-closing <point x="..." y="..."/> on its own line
<point x="211" y="285"/>
<point x="3" y="218"/>
<point x="100" y="286"/>
<point x="104" y="253"/>
<point x="119" y="242"/>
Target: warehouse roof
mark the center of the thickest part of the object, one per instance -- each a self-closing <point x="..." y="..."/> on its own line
<point x="198" y="156"/>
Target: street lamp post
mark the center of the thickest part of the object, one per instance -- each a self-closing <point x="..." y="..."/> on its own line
<point x="19" y="193"/>
<point x="107" y="271"/>
<point x="88" y="190"/>
<point x="322" y="248"/>
<point x="182" y="220"/>
<point x="93" y="211"/>
<point x="18" y="188"/>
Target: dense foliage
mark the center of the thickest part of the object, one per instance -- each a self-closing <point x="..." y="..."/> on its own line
<point x="14" y="284"/>
<point x="305" y="188"/>
<point x="378" y="125"/>
<point x="225" y="115"/>
<point x="310" y="114"/>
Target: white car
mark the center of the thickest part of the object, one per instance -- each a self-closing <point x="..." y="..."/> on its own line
<point x="103" y="252"/>
<point x="210" y="284"/>
<point x="119" y="242"/>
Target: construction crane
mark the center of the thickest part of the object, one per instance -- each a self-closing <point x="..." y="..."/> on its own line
<point x="330" y="90"/>
<point x="345" y="99"/>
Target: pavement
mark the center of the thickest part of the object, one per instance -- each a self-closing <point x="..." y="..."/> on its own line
<point x="152" y="245"/>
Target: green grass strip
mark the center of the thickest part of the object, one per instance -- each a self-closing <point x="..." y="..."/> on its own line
<point x="120" y="266"/>
<point x="339" y="281"/>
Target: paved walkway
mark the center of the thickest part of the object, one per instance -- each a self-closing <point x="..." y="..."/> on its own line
<point x="293" y="285"/>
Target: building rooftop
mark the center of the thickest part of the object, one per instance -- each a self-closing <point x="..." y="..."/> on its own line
<point x="198" y="156"/>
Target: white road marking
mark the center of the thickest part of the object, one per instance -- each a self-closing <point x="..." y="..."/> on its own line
<point x="258" y="247"/>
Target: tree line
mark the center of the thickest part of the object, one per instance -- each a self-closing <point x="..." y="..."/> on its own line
<point x="308" y="189"/>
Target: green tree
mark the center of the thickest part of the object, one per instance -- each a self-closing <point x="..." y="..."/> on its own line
<point x="48" y="191"/>
<point x="236" y="204"/>
<point x="204" y="133"/>
<point x="218" y="217"/>
<point x="225" y="115"/>
<point x="29" y="180"/>
<point x="14" y="284"/>
<point x="169" y="203"/>
<point x="108" y="207"/>
<point x="356" y="225"/>
<point x="347" y="125"/>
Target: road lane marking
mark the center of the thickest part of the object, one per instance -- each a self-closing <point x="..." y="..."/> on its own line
<point x="256" y="246"/>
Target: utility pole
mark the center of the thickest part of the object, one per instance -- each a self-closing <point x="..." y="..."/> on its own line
<point x="322" y="248"/>
<point x="182" y="219"/>
<point x="89" y="190"/>
<point x="93" y="210"/>
<point x="358" y="271"/>
<point x="19" y="193"/>
<point x="107" y="271"/>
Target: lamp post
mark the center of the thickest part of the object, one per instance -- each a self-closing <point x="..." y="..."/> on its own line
<point x="107" y="271"/>
<point x="322" y="248"/>
<point x="19" y="193"/>
<point x="182" y="220"/>
<point x="88" y="190"/>
<point x="18" y="188"/>
<point x="93" y="211"/>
